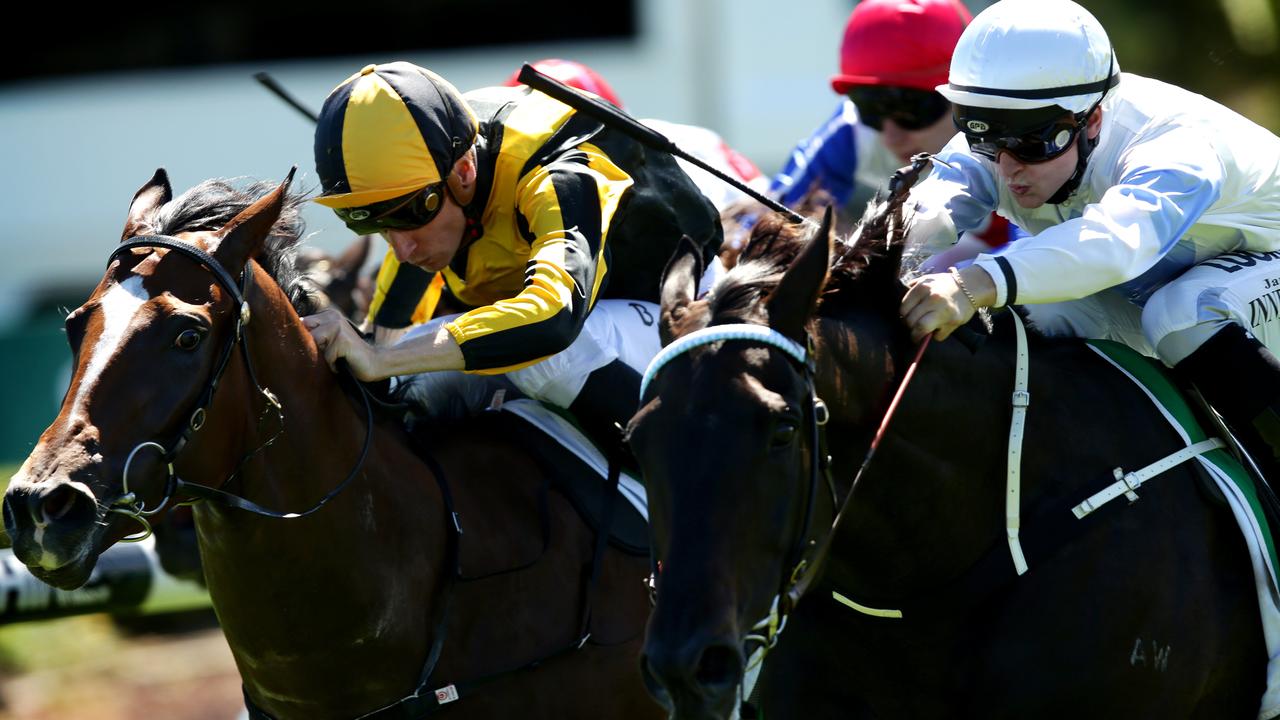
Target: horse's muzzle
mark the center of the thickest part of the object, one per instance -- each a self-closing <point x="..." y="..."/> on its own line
<point x="52" y="526"/>
<point x="696" y="680"/>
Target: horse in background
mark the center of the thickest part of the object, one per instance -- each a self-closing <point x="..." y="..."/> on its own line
<point x="339" y="596"/>
<point x="338" y="279"/>
<point x="738" y="219"/>
<point x="1146" y="610"/>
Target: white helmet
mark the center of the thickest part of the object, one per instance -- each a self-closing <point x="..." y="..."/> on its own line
<point x="1024" y="54"/>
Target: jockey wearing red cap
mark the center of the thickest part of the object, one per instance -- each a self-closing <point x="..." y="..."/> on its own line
<point x="894" y="53"/>
<point x="573" y="74"/>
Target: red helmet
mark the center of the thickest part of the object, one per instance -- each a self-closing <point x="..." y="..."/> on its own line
<point x="902" y="43"/>
<point x="576" y="75"/>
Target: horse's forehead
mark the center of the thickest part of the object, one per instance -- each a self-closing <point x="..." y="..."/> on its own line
<point x="755" y="374"/>
<point x="766" y="396"/>
<point x="765" y="363"/>
<point x="163" y="271"/>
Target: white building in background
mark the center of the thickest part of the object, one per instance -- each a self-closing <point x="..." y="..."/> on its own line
<point x="75" y="150"/>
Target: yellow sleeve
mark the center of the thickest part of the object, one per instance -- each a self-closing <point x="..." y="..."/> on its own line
<point x="564" y="211"/>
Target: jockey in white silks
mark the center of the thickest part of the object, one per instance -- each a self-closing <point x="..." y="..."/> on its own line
<point x="1154" y="212"/>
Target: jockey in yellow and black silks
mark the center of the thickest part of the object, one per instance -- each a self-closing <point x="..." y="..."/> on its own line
<point x="550" y="228"/>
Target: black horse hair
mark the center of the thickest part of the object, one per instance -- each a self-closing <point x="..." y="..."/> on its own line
<point x="209" y="206"/>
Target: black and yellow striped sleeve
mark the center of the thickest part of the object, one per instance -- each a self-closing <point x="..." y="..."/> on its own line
<point x="398" y="293"/>
<point x="564" y="210"/>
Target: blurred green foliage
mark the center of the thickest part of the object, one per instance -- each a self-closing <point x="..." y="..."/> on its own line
<point x="56" y="643"/>
<point x="1228" y="50"/>
<point x="1224" y="49"/>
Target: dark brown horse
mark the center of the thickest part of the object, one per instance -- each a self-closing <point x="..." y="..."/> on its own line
<point x="448" y="568"/>
<point x="1144" y="610"/>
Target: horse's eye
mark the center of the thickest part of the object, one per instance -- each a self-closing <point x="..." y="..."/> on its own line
<point x="784" y="434"/>
<point x="188" y="339"/>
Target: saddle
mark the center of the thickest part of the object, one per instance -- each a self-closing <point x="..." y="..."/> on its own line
<point x="580" y="471"/>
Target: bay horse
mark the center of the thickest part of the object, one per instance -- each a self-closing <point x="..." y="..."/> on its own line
<point x="1147" y="610"/>
<point x="356" y="572"/>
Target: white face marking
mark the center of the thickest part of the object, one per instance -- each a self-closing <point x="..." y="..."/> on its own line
<point x="119" y="305"/>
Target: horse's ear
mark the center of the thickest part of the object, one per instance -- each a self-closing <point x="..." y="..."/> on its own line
<point x="353" y="257"/>
<point x="679" y="285"/>
<point x="796" y="296"/>
<point x="243" y="237"/>
<point x="155" y="193"/>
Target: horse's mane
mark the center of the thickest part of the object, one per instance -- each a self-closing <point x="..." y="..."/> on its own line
<point x="213" y="203"/>
<point x="877" y="241"/>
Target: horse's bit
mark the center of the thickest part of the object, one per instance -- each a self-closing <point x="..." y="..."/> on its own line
<point x="128" y="503"/>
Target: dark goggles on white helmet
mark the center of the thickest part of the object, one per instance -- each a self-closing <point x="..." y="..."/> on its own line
<point x="1030" y="136"/>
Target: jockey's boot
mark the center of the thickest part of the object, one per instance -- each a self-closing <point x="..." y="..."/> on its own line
<point x="1240" y="378"/>
<point x="605" y="405"/>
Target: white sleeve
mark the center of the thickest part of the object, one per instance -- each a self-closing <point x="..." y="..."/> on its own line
<point x="958" y="195"/>
<point x="1163" y="185"/>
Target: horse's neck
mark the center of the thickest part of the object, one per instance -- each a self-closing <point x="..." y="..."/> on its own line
<point x="286" y="365"/>
<point x="345" y="573"/>
<point x="292" y="464"/>
<point x="944" y="447"/>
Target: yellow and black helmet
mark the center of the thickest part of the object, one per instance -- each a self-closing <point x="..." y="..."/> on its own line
<point x="389" y="130"/>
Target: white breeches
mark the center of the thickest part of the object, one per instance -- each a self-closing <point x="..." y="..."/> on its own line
<point x="625" y="330"/>
<point x="1239" y="287"/>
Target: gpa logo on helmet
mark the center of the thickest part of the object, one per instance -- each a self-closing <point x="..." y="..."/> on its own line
<point x="359" y="215"/>
<point x="977" y="126"/>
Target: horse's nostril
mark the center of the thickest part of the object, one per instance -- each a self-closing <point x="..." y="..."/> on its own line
<point x="59" y="504"/>
<point x="719" y="667"/>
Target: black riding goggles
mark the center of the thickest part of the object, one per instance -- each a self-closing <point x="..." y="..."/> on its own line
<point x="1039" y="144"/>
<point x="405" y="212"/>
<point x="908" y="108"/>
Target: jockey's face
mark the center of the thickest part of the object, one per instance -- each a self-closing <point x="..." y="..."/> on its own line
<point x="1032" y="184"/>
<point x="433" y="245"/>
<point x="905" y="143"/>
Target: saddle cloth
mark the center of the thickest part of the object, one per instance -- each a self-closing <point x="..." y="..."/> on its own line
<point x="574" y="453"/>
<point x="1237" y="487"/>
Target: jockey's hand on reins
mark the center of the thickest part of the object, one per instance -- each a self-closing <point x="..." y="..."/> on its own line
<point x="336" y="339"/>
<point x="935" y="304"/>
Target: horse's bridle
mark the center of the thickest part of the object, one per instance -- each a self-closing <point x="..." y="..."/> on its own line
<point x="128" y="503"/>
<point x="804" y="549"/>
